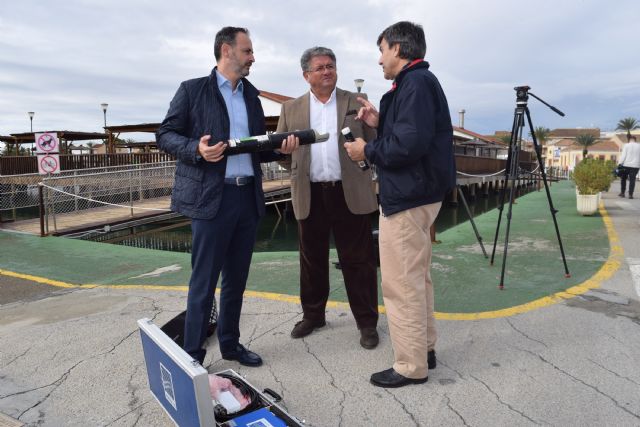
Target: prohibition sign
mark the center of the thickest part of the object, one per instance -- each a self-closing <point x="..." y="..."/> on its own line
<point x="49" y="164"/>
<point x="47" y="143"/>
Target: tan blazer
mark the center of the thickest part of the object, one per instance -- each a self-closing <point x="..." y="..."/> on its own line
<point x="357" y="184"/>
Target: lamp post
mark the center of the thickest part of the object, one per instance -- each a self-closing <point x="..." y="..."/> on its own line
<point x="359" y="83"/>
<point x="31" y="114"/>
<point x="104" y="106"/>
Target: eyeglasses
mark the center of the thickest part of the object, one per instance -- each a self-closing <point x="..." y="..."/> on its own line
<point x="322" y="68"/>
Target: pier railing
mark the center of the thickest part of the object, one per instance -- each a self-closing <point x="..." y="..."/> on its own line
<point x="18" y="165"/>
<point x="83" y="198"/>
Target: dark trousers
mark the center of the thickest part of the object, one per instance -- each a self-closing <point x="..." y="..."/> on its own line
<point x="223" y="244"/>
<point x="631" y="173"/>
<point x="354" y="243"/>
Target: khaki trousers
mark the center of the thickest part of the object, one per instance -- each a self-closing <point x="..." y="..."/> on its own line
<point x="405" y="262"/>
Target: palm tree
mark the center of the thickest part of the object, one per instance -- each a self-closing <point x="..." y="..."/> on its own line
<point x="628" y="124"/>
<point x="541" y="133"/>
<point x="585" y="140"/>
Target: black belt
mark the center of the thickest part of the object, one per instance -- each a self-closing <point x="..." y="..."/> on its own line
<point x="327" y="184"/>
<point x="239" y="181"/>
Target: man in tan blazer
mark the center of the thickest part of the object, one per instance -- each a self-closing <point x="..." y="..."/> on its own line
<point x="331" y="194"/>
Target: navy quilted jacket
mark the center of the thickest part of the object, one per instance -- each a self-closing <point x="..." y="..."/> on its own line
<point x="198" y="109"/>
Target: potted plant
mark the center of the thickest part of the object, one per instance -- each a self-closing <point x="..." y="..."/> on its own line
<point x="591" y="177"/>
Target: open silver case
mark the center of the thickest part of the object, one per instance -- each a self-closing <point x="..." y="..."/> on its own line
<point x="181" y="386"/>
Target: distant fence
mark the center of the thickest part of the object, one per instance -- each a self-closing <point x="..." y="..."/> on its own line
<point x="19" y="165"/>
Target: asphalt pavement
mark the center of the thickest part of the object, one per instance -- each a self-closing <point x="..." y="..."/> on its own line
<point x="71" y="356"/>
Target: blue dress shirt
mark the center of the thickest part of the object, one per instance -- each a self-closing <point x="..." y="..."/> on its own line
<point x="238" y="164"/>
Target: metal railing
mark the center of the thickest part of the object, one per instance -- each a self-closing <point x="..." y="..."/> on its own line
<point x="114" y="195"/>
<point x="21" y="191"/>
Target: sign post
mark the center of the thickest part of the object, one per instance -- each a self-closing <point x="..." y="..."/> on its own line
<point x="48" y="149"/>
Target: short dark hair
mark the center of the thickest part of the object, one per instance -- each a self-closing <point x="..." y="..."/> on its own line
<point x="312" y="52"/>
<point x="226" y="35"/>
<point x="409" y="36"/>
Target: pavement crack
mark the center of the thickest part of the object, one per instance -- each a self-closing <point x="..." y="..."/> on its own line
<point x="332" y="383"/>
<point x="17" y="357"/>
<point x="625" y="345"/>
<point x="594" y="388"/>
<point x="54" y="384"/>
<point x="440" y="362"/>
<point x="404" y="408"/>
<point x="129" y="412"/>
<point x="281" y="386"/>
<point x="523" y="334"/>
<point x="274" y="328"/>
<point x="454" y="410"/>
<point x="522" y="414"/>
<point x="133" y="388"/>
<point x="614" y="373"/>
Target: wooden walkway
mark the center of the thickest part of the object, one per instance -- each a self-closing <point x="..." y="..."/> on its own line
<point x="99" y="217"/>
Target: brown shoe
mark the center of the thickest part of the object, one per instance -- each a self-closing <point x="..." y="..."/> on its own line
<point x="305" y="327"/>
<point x="369" y="338"/>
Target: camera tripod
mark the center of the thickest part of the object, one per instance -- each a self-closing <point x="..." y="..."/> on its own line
<point x="512" y="173"/>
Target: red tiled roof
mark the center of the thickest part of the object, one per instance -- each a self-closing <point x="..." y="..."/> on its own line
<point x="477" y="135"/>
<point x="572" y="133"/>
<point x="274" y="96"/>
<point x="601" y="145"/>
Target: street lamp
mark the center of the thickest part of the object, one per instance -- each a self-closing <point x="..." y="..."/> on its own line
<point x="31" y="114"/>
<point x="104" y="106"/>
<point x="359" y="83"/>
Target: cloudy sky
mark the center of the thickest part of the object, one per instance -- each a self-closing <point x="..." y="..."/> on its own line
<point x="62" y="59"/>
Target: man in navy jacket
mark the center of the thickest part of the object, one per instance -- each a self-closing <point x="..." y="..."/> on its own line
<point x="413" y="156"/>
<point x="222" y="195"/>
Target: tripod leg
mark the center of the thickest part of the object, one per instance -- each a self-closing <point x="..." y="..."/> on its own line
<point x="473" y="224"/>
<point x="553" y="210"/>
<point x="507" y="168"/>
<point x="506" y="238"/>
<point x="512" y="175"/>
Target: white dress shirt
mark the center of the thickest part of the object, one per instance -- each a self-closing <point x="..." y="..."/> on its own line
<point x="325" y="160"/>
<point x="631" y="155"/>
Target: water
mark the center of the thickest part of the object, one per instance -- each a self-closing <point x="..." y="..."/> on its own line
<point x="274" y="233"/>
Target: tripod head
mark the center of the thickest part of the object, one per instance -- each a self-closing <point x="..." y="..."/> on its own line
<point x="522" y="96"/>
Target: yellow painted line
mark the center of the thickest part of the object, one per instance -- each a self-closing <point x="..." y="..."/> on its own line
<point x="613" y="263"/>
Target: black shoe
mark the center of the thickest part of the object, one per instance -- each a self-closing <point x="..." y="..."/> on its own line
<point x="243" y="356"/>
<point x="621" y="195"/>
<point x="391" y="379"/>
<point x="431" y="359"/>
<point x="630" y="196"/>
<point x="369" y="338"/>
<point x="305" y="327"/>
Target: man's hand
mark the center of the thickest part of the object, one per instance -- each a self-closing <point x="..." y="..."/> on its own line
<point x="289" y="144"/>
<point x="355" y="149"/>
<point x="368" y="113"/>
<point x="213" y="153"/>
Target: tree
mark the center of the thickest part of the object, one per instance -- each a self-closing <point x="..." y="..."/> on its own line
<point x="506" y="138"/>
<point x="585" y="140"/>
<point x="541" y="133"/>
<point x="90" y="146"/>
<point x="628" y="124"/>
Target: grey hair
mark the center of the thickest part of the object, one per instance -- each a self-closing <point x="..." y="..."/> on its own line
<point x="312" y="52"/>
<point x="410" y="38"/>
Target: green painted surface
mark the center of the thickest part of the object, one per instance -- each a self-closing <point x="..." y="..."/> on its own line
<point x="464" y="281"/>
